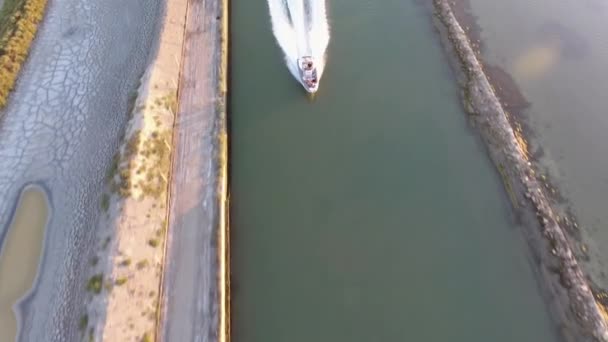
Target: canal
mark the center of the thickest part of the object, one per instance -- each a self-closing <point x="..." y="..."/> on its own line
<point x="371" y="213"/>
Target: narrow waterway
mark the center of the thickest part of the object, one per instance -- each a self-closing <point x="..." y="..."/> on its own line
<point x="371" y="213"/>
<point x="20" y="256"/>
<point x="558" y="62"/>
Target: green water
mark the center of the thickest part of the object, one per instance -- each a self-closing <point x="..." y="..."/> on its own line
<point x="371" y="213"/>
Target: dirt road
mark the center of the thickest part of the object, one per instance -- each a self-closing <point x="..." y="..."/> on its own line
<point x="191" y="309"/>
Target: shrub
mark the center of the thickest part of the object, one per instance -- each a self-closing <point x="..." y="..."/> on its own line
<point x="142" y="264"/>
<point x="121" y="281"/>
<point x="19" y="21"/>
<point x="146" y="338"/>
<point x="95" y="283"/>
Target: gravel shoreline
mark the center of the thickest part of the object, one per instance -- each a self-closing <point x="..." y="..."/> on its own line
<point x="570" y="296"/>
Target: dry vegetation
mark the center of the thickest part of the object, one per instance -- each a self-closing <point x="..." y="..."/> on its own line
<point x="148" y="173"/>
<point x="144" y="164"/>
<point x="19" y="21"/>
<point x="140" y="169"/>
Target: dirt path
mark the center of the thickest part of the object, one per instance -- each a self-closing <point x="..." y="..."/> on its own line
<point x="191" y="304"/>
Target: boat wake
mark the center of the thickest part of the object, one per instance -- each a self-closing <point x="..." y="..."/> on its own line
<point x="301" y="30"/>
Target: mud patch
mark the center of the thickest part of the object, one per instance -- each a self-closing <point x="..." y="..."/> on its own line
<point x="506" y="90"/>
<point x="20" y="256"/>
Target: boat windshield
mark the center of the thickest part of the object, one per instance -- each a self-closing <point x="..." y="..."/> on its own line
<point x="307" y="64"/>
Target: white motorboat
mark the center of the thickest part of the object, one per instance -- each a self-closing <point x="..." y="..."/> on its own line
<point x="308" y="74"/>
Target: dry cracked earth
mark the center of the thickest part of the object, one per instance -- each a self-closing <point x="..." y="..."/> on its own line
<point x="80" y="76"/>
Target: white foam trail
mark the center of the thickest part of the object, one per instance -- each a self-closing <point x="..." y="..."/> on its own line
<point x="298" y="19"/>
<point x="301" y="29"/>
<point x="319" y="32"/>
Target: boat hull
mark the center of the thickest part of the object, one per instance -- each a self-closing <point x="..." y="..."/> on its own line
<point x="307" y="69"/>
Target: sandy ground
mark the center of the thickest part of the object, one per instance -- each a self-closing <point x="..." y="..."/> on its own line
<point x="131" y="264"/>
<point x="566" y="289"/>
<point x="61" y="129"/>
<point x="193" y="305"/>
